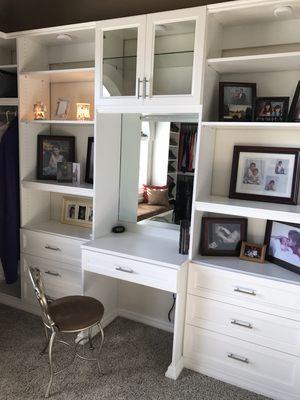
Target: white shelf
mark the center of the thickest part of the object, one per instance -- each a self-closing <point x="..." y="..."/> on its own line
<point x="63" y="75"/>
<point x="84" y="189"/>
<point x="58" y="121"/>
<point x="9" y="68"/>
<point x="9" y="101"/>
<point x="186" y="173"/>
<point x="250" y="209"/>
<point x="291" y="126"/>
<point x="56" y="228"/>
<point x="256" y="63"/>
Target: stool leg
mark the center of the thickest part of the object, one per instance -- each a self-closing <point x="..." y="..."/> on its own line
<point x="90" y="339"/>
<point x="47" y="341"/>
<point x="101" y="344"/>
<point x="50" y="363"/>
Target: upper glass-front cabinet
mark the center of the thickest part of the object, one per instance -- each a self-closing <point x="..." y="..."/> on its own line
<point x="154" y="59"/>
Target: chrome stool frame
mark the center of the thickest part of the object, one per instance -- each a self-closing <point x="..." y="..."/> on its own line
<point x="53" y="330"/>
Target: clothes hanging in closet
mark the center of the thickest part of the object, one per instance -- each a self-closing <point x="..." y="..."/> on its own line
<point x="10" y="202"/>
<point x="187" y="147"/>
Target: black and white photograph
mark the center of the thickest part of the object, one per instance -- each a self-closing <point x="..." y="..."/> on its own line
<point x="283" y="241"/>
<point x="77" y="211"/>
<point x="82" y="212"/>
<point x="65" y="172"/>
<point x="253" y="252"/>
<point x="71" y="211"/>
<point x="271" y="109"/>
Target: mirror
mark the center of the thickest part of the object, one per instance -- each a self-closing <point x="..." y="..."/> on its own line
<point x="157" y="167"/>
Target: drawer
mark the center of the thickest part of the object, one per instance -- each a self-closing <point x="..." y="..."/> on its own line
<point x="279" y="298"/>
<point x="244" y="364"/>
<point x="51" y="246"/>
<point x="264" y="329"/>
<point x="130" y="270"/>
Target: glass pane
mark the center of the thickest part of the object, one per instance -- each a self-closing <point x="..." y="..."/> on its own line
<point x="119" y="62"/>
<point x="174" y="57"/>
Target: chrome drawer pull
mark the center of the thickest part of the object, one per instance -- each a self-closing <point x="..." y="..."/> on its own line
<point x="251" y="292"/>
<point x="238" y="358"/>
<point x="52" y="273"/>
<point x="123" y="269"/>
<point x="52" y="248"/>
<point x="241" y="323"/>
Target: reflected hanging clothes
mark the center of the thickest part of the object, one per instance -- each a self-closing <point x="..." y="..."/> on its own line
<point x="10" y="202"/>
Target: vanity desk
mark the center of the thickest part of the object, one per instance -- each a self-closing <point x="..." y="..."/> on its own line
<point x="143" y="259"/>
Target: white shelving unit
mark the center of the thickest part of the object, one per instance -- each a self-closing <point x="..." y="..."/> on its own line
<point x="59" y="121"/>
<point x="83" y="189"/>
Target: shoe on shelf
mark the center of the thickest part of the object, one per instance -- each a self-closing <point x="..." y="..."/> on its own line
<point x="171" y="168"/>
<point x="173" y="142"/>
<point x="172" y="155"/>
<point x="174" y="127"/>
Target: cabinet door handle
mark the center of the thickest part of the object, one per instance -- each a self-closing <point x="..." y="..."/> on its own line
<point x="52" y="248"/>
<point x="251" y="292"/>
<point x="140" y="81"/>
<point x="123" y="269"/>
<point x="244" y="360"/>
<point x="241" y="323"/>
<point x="52" y="273"/>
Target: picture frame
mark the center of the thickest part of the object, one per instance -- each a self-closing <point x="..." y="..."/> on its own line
<point x="236" y="101"/>
<point x="64" y="172"/>
<point x="268" y="174"/>
<point x="62" y="108"/>
<point x="271" y="109"/>
<point x="89" y="172"/>
<point x="253" y="252"/>
<point x="222" y="236"/>
<point x="283" y="244"/>
<point x="50" y="151"/>
<point x="77" y="211"/>
<point x="294" y="114"/>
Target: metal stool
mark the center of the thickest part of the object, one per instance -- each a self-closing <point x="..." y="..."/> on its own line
<point x="71" y="314"/>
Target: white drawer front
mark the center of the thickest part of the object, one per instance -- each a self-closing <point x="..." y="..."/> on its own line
<point x="51" y="246"/>
<point x="131" y="270"/>
<point x="264" y="329"/>
<point x="245" y="363"/>
<point x="247" y="291"/>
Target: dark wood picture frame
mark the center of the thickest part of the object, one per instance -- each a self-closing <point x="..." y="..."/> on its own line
<point x="293" y="116"/>
<point x="89" y="167"/>
<point x="292" y="199"/>
<point x="261" y="247"/>
<point x="273" y="259"/>
<point x="222" y="86"/>
<point x="284" y="100"/>
<point x="40" y="153"/>
<point x="204" y="243"/>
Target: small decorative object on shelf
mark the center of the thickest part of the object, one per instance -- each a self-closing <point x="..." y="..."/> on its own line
<point x="294" y="114"/>
<point x="76" y="173"/>
<point x="184" y="238"/>
<point x="253" y="252"/>
<point x="83" y="111"/>
<point x="89" y="174"/>
<point x="268" y="174"/>
<point x="283" y="244"/>
<point x="118" y="229"/>
<point x="222" y="236"/>
<point x="236" y="101"/>
<point x="39" y="110"/>
<point x="65" y="172"/>
<point x="52" y="150"/>
<point x="62" y="109"/>
<point x="77" y="211"/>
<point x="271" y="109"/>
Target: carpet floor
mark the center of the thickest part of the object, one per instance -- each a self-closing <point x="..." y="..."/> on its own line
<point x="135" y="358"/>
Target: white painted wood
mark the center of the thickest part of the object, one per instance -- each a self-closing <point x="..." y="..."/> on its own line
<point x="63" y="75"/>
<point x="253" y="126"/>
<point x="84" y="189"/>
<point x="9" y="101"/>
<point x="56" y="228"/>
<point x="59" y="122"/>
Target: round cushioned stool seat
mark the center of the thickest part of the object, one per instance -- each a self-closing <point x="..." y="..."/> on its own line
<point x="75" y="313"/>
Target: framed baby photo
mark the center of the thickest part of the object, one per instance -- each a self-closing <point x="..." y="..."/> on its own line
<point x="271" y="109"/>
<point x="222" y="236"/>
<point x="283" y="244"/>
<point x="294" y="114"/>
<point x="265" y="174"/>
<point x="253" y="252"/>
<point x="50" y="151"/>
<point x="77" y="211"/>
<point x="236" y="101"/>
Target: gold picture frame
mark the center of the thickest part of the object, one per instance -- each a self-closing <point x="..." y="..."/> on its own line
<point x="77" y="211"/>
<point x="253" y="252"/>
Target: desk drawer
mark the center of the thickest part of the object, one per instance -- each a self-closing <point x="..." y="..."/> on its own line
<point x="264" y="329"/>
<point x="130" y="270"/>
<point x="51" y="246"/>
<point x="260" y="294"/>
<point x="242" y="363"/>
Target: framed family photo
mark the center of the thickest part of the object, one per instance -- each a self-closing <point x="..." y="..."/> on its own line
<point x="271" y="109"/>
<point x="77" y="211"/>
<point x="253" y="252"/>
<point x="222" y="236"/>
<point x="265" y="174"/>
<point x="236" y="101"/>
<point x="283" y="244"/>
<point x="294" y="114"/>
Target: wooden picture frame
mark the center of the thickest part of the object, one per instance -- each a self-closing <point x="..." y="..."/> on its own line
<point x="253" y="252"/>
<point x="222" y="236"/>
<point x="276" y="168"/>
<point x="294" y="114"/>
<point x="236" y="101"/>
<point x="271" y="109"/>
<point x="77" y="211"/>
<point x="89" y="172"/>
<point x="283" y="244"/>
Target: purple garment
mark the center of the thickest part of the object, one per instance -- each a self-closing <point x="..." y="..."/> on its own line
<point x="10" y="202"/>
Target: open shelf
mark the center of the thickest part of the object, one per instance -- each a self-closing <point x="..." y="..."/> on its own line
<point x="256" y="63"/>
<point x="65" y="230"/>
<point x="83" y="189"/>
<point x="59" y="121"/>
<point x="292" y="126"/>
<point x="249" y="209"/>
<point x="63" y="75"/>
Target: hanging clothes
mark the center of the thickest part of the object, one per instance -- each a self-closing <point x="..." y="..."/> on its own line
<point x="187" y="147"/>
<point x="10" y="202"/>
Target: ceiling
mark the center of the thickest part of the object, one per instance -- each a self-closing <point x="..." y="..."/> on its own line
<point x="16" y="15"/>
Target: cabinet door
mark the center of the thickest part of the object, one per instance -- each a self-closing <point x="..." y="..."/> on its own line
<point x="174" y="56"/>
<point x="120" y="53"/>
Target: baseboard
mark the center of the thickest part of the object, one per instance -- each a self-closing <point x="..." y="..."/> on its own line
<point x="143" y="319"/>
<point x="174" y="371"/>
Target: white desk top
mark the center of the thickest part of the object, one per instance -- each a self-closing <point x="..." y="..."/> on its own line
<point x="141" y="247"/>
